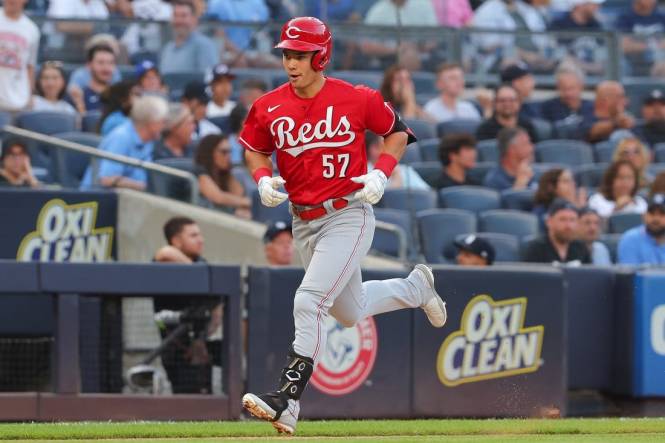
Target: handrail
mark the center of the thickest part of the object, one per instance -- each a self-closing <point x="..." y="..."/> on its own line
<point x="96" y="153"/>
<point x="401" y="237"/>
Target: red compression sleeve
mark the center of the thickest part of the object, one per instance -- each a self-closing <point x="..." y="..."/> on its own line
<point x="386" y="163"/>
<point x="261" y="172"/>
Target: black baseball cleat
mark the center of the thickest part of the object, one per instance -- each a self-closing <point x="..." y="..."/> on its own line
<point x="274" y="407"/>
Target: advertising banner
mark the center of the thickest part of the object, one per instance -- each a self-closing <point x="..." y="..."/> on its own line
<point x="649" y="334"/>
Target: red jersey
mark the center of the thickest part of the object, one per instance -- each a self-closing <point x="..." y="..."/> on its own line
<point x="320" y="141"/>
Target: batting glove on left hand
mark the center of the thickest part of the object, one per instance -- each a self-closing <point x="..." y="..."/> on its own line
<point x="375" y="184"/>
<point x="268" y="192"/>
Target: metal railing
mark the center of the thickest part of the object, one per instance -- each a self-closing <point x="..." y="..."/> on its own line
<point x="95" y="154"/>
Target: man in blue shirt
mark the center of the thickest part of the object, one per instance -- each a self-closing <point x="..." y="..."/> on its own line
<point x="190" y="50"/>
<point x="134" y="139"/>
<point x="642" y="22"/>
<point x="515" y="158"/>
<point x="645" y="244"/>
<point x="568" y="108"/>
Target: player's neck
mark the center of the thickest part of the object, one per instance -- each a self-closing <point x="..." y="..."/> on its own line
<point x="311" y="89"/>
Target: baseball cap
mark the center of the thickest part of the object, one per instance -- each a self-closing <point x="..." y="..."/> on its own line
<point x="274" y="229"/>
<point x="561" y="204"/>
<point x="656" y="95"/>
<point x="218" y="72"/>
<point x="513" y="72"/>
<point x="144" y="66"/>
<point x="477" y="246"/>
<point x="196" y="90"/>
<point x="656" y="202"/>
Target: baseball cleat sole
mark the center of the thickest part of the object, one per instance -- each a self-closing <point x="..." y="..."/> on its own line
<point x="259" y="409"/>
<point x="435" y="309"/>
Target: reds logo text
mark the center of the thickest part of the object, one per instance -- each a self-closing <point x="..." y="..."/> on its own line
<point x="309" y="136"/>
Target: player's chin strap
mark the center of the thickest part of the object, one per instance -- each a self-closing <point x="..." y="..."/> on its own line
<point x="295" y="376"/>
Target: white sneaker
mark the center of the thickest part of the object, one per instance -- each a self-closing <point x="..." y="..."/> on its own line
<point x="433" y="305"/>
<point x="266" y="407"/>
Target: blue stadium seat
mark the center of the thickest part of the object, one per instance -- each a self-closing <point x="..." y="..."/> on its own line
<point x="603" y="151"/>
<point x="367" y="78"/>
<point x="488" y="150"/>
<point x="169" y="186"/>
<point x="429" y="149"/>
<point x="265" y="214"/>
<point x="412" y="154"/>
<point x="478" y="172"/>
<point x="620" y="223"/>
<point x="457" y="126"/>
<point x="590" y="176"/>
<point x="429" y="171"/>
<point x="46" y="122"/>
<point x="408" y="199"/>
<point x="567" y="130"/>
<point x="543" y="129"/>
<point x="222" y="123"/>
<point x="659" y="153"/>
<point x="5" y="119"/>
<point x="506" y="246"/>
<point x="245" y="178"/>
<point x="423" y="129"/>
<point x="656" y="168"/>
<point x="71" y="165"/>
<point x="612" y="243"/>
<point x="438" y="229"/>
<point x="387" y="241"/>
<point x="471" y="198"/>
<point x="176" y="81"/>
<point x="90" y="121"/>
<point x="508" y="221"/>
<point x="424" y="82"/>
<point x="568" y="152"/>
<point x="519" y="199"/>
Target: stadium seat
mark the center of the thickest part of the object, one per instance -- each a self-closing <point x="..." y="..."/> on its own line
<point x="423" y="129"/>
<point x="71" y="165"/>
<point x="90" y="121"/>
<point x="567" y="130"/>
<point x="367" y="78"/>
<point x="46" y="122"/>
<point x="438" y="229"/>
<point x="402" y="219"/>
<point x="612" y="243"/>
<point x="656" y="168"/>
<point x="520" y="199"/>
<point x="5" y="119"/>
<point x="543" y="128"/>
<point x="659" y="153"/>
<point x="603" y="151"/>
<point x="540" y="168"/>
<point x="222" y="123"/>
<point x="457" y="126"/>
<point x="590" y="176"/>
<point x="506" y="246"/>
<point x="568" y="152"/>
<point x="429" y="171"/>
<point x="386" y="241"/>
<point x="429" y="149"/>
<point x="471" y="198"/>
<point x="265" y="214"/>
<point x="488" y="151"/>
<point x="408" y="199"/>
<point x="637" y="90"/>
<point x="508" y="221"/>
<point x="424" y="82"/>
<point x="478" y="172"/>
<point x="176" y="81"/>
<point x="620" y="223"/>
<point x="245" y="178"/>
<point x="412" y="154"/>
<point x="170" y="186"/>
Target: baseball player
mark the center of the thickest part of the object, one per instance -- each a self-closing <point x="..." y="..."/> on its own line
<point x="317" y="125"/>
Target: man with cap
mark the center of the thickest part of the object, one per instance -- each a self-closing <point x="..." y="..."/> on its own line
<point x="559" y="245"/>
<point x="519" y="77"/>
<point x="645" y="244"/>
<point x="278" y="241"/>
<point x="219" y="80"/>
<point x="652" y="129"/>
<point x="474" y="251"/>
<point x="196" y="97"/>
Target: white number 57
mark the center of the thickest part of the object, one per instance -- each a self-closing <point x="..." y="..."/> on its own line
<point x="329" y="166"/>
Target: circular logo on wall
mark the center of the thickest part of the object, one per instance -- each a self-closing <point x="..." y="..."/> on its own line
<point x="348" y="359"/>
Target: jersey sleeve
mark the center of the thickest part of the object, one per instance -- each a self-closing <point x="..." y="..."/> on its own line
<point x="379" y="115"/>
<point x="254" y="135"/>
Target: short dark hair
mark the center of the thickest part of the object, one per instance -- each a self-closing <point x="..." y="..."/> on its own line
<point x="188" y="3"/>
<point x="505" y="137"/>
<point x="174" y="227"/>
<point x="11" y="142"/>
<point x="452" y="144"/>
<point x="99" y="48"/>
<point x="447" y="66"/>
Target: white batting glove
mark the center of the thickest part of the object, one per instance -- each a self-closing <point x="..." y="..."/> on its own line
<point x="270" y="196"/>
<point x="375" y="184"/>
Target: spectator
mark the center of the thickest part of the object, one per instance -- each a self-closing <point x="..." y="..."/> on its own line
<point x="216" y="182"/>
<point x="652" y="129"/>
<point x="474" y="251"/>
<point x="140" y="38"/>
<point x="81" y="76"/>
<point x="448" y="105"/>
<point x="236" y="120"/>
<point x="403" y="176"/>
<point x="19" y="45"/>
<point x="645" y="245"/>
<point x="609" y="113"/>
<point x="618" y="191"/>
<point x="506" y="115"/>
<point x="568" y="107"/>
<point x="519" y="77"/>
<point x="15" y="167"/>
<point x="457" y="153"/>
<point x="581" y="16"/>
<point x="220" y="81"/>
<point x="642" y="25"/>
<point x="589" y="232"/>
<point x="149" y="80"/>
<point x="177" y="134"/>
<point x="453" y="13"/>
<point x="633" y="150"/>
<point x="278" y="241"/>
<point x="515" y="159"/>
<point x="559" y="244"/>
<point x="101" y="63"/>
<point x="51" y="90"/>
<point x="196" y="98"/>
<point x="134" y="139"/>
<point x="117" y="102"/>
<point x="185" y="242"/>
<point x="80" y="9"/>
<point x="398" y="89"/>
<point x="190" y="50"/>
<point x="555" y="184"/>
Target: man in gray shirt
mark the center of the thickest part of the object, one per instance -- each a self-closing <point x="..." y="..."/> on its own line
<point x="189" y="50"/>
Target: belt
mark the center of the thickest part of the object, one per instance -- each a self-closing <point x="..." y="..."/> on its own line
<point x="319" y="211"/>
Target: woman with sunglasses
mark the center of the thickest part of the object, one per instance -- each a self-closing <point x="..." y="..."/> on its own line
<point x="216" y="182"/>
<point x="51" y="89"/>
<point x="636" y="152"/>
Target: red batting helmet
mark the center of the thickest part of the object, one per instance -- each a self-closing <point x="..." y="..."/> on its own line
<point x="308" y="34"/>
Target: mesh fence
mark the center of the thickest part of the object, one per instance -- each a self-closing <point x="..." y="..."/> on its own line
<point x="25" y="364"/>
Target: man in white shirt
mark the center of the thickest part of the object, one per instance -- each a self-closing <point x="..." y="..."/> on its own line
<point x="220" y="80"/>
<point x="19" y="42"/>
<point x="448" y="106"/>
<point x="94" y="9"/>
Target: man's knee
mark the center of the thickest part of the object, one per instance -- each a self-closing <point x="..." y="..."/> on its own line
<point x="304" y="301"/>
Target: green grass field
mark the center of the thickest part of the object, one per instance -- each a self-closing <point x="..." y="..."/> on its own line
<point x="450" y="431"/>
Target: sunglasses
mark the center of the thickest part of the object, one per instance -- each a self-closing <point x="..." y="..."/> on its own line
<point x="635" y="151"/>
